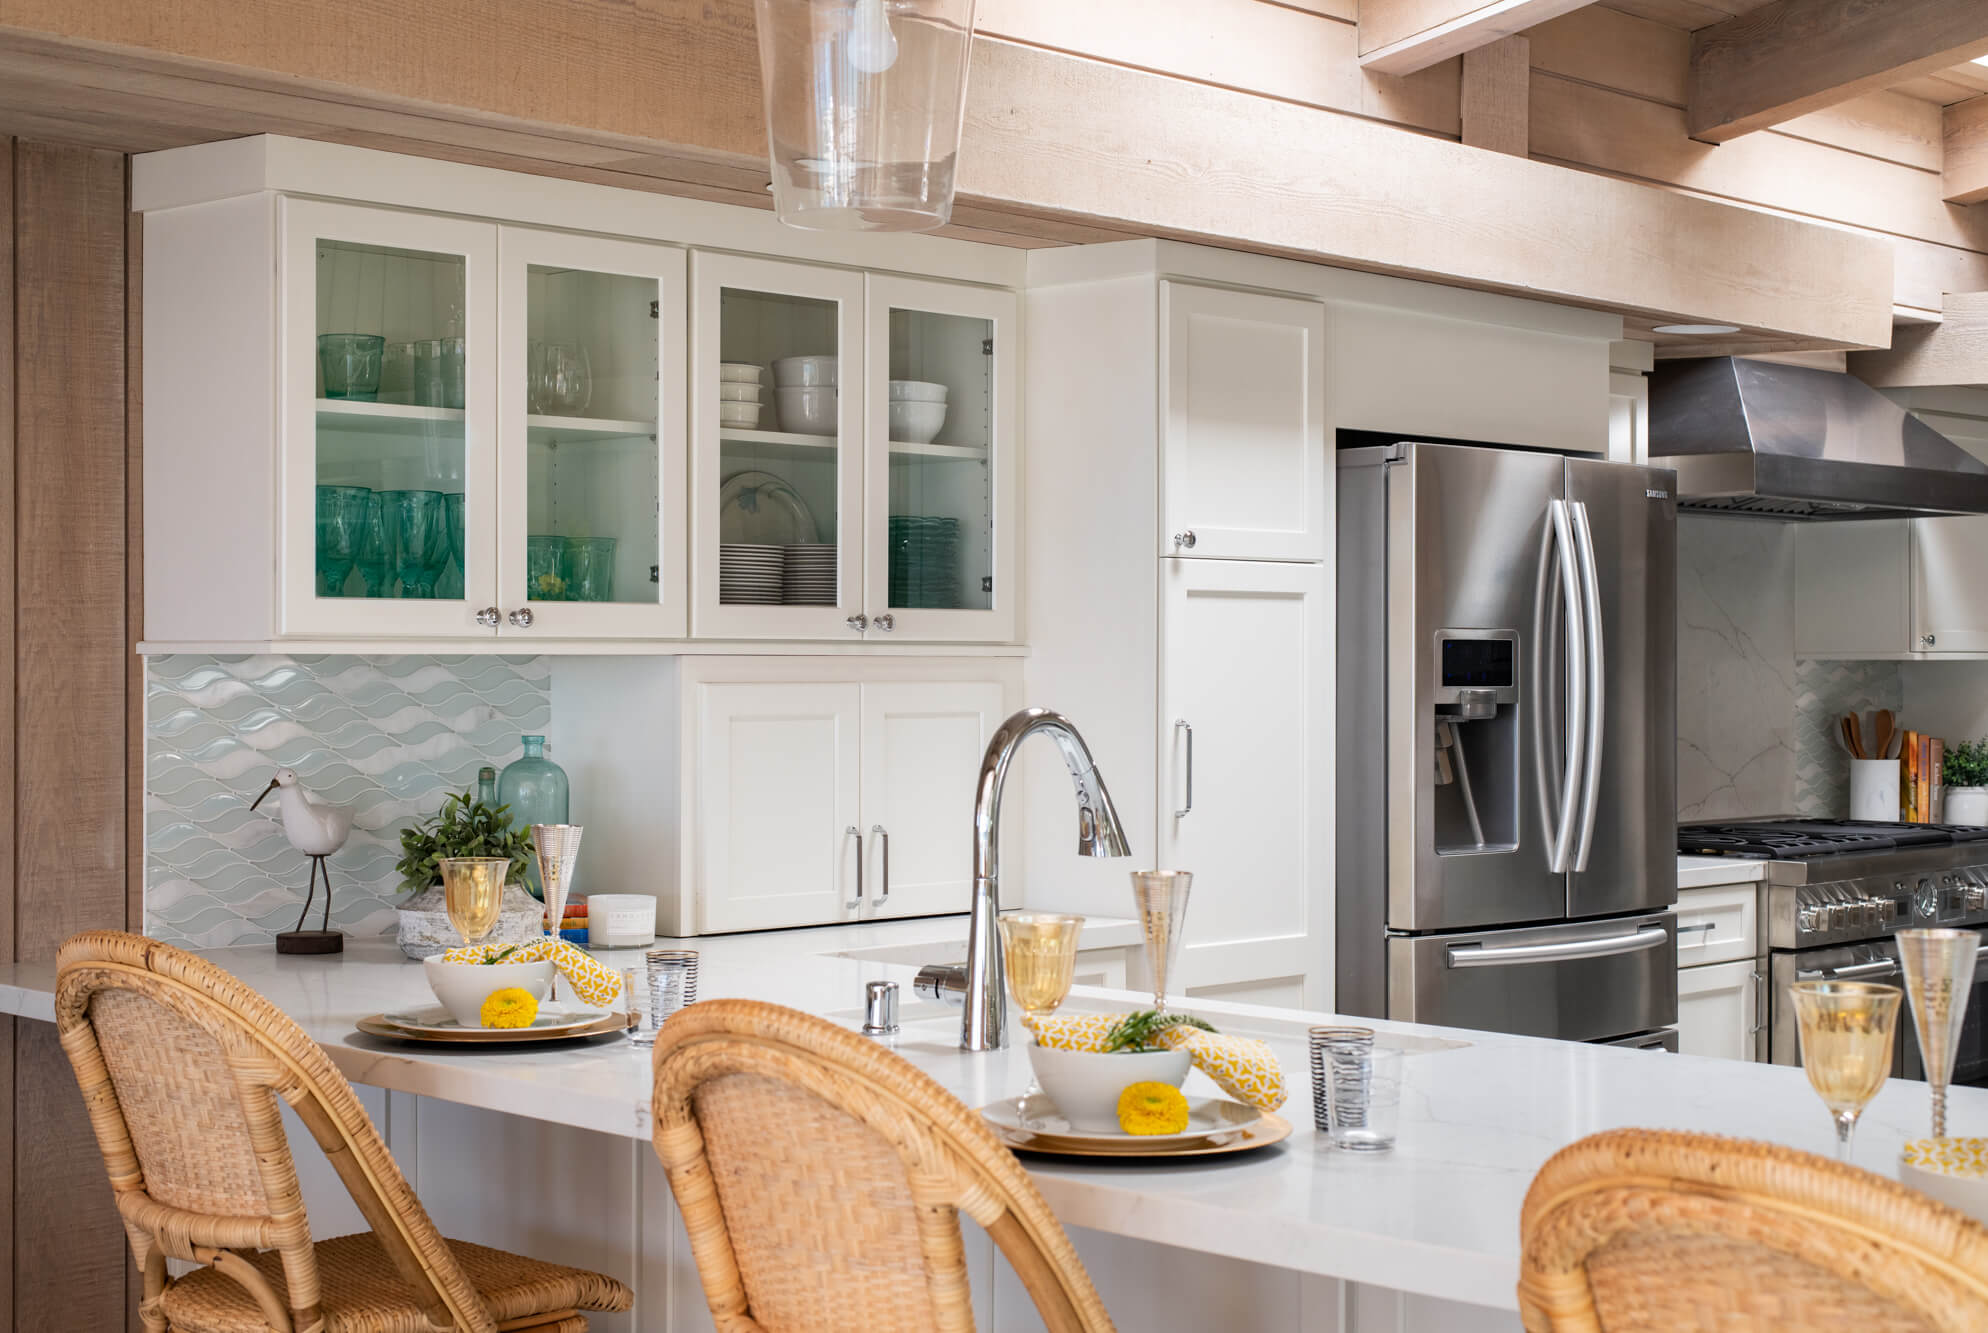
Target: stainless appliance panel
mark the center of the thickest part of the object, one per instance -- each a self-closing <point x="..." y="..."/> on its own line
<point x="1360" y="850"/>
<point x="1464" y="543"/>
<point x="1579" y="980"/>
<point x="1626" y="858"/>
<point x="1875" y="960"/>
<point x="1664" y="1040"/>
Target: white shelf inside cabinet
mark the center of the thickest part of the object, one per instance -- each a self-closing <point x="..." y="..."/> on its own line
<point x="572" y="430"/>
<point x="364" y="418"/>
<point x="791" y="444"/>
<point x="959" y="453"/>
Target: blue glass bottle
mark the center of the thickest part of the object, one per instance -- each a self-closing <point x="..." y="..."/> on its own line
<point x="536" y="791"/>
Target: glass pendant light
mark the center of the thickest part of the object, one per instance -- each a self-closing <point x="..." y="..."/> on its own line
<point x="863" y="106"/>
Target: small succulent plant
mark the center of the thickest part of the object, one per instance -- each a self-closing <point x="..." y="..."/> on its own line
<point x="464" y="826"/>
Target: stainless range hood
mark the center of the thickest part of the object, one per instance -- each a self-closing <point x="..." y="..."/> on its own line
<point x="1756" y="437"/>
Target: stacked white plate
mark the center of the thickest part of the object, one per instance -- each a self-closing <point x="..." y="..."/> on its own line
<point x="750" y="574"/>
<point x="809" y="575"/>
<point x="738" y="394"/>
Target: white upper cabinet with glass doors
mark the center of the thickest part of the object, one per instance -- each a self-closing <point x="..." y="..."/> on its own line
<point x="851" y="458"/>
<point x="388" y="399"/>
<point x="590" y="503"/>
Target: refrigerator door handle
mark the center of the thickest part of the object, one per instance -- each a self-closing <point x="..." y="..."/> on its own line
<point x="1556" y="557"/>
<point x="1584" y="544"/>
<point x="1506" y="955"/>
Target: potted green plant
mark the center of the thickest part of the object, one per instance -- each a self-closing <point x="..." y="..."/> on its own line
<point x="1966" y="774"/>
<point x="464" y="826"/>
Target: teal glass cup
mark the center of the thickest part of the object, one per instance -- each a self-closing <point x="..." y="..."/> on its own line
<point x="590" y="569"/>
<point x="417" y="523"/>
<point x="351" y="364"/>
<point x="452" y="517"/>
<point x="341" y="513"/>
<point x="375" y="553"/>
<point x="545" y="569"/>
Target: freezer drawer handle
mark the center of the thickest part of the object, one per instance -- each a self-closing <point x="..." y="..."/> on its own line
<point x="1506" y="955"/>
<point x="1883" y="967"/>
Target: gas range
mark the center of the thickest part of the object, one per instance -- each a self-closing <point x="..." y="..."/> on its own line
<point x="1832" y="882"/>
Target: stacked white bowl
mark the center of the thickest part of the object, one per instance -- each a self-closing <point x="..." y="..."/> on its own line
<point x="917" y="411"/>
<point x="738" y="395"/>
<point x="804" y="389"/>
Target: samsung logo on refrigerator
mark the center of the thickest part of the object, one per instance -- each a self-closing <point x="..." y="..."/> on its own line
<point x="1652" y="494"/>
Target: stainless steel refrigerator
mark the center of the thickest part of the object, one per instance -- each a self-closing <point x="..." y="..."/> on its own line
<point x="1507" y="828"/>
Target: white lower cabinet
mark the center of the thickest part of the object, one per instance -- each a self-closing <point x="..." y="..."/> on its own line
<point x="922" y="743"/>
<point x="1717" y="1010"/>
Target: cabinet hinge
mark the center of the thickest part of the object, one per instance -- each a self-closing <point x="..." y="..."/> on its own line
<point x="987" y="583"/>
<point x="987" y="347"/>
<point x="655" y="573"/>
<point x="655" y="310"/>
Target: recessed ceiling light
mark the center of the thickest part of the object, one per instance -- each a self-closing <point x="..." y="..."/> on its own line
<point x="1979" y="60"/>
<point x="1696" y="328"/>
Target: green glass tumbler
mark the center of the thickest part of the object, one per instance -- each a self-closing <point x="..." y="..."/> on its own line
<point x="545" y="571"/>
<point x="590" y="569"/>
<point x="375" y="553"/>
<point x="341" y="512"/>
<point x="452" y="517"/>
<point x="416" y="521"/>
<point x="351" y="364"/>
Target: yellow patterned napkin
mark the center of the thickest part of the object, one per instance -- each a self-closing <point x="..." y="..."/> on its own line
<point x="1966" y="1158"/>
<point x="595" y="984"/>
<point x="1243" y="1067"/>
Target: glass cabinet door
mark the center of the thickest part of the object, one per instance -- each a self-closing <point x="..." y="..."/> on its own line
<point x="776" y="409"/>
<point x="941" y="463"/>
<point x="590" y="534"/>
<point x="389" y="458"/>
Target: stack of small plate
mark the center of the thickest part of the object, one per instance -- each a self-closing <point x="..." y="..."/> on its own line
<point x="738" y="394"/>
<point x="924" y="561"/>
<point x="808" y="575"/>
<point x="749" y="574"/>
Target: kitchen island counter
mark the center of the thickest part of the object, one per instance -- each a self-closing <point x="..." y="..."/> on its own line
<point x="1436" y="1218"/>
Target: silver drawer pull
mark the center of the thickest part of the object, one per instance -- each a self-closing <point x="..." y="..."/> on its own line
<point x="1883" y="967"/>
<point x="1505" y="955"/>
<point x="856" y="833"/>
<point x="1707" y="926"/>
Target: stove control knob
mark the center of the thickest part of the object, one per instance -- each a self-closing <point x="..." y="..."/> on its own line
<point x="1925" y="899"/>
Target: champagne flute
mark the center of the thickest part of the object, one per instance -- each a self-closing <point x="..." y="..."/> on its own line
<point x="1846" y="1030"/>
<point x="1939" y="980"/>
<point x="473" y="889"/>
<point x="1040" y="952"/>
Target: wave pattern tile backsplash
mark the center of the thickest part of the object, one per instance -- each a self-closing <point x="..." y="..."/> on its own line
<point x="385" y="736"/>
<point x="1824" y="692"/>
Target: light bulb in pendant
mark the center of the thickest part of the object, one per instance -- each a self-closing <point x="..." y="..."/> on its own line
<point x="872" y="45"/>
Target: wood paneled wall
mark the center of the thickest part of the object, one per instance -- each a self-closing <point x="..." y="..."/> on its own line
<point x="70" y="744"/>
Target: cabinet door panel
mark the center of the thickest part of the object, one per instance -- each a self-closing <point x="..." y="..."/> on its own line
<point x="1246" y="691"/>
<point x="1245" y="456"/>
<point x="922" y="746"/>
<point x="1716" y="1008"/>
<point x="1853" y="588"/>
<point x="776" y="800"/>
<point x="1950" y="600"/>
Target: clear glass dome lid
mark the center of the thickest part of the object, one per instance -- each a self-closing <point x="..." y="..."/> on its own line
<point x="863" y="106"/>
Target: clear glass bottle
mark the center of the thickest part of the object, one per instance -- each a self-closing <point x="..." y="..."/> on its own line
<point x="536" y="791"/>
<point x="486" y="786"/>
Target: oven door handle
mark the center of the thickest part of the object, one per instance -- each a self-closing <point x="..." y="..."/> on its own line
<point x="1506" y="955"/>
<point x="1882" y="967"/>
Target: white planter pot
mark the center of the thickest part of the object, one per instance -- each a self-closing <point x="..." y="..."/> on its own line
<point x="1967" y="805"/>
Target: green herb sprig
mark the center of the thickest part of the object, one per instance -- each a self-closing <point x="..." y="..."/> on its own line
<point x="1140" y="1031"/>
<point x="463" y="827"/>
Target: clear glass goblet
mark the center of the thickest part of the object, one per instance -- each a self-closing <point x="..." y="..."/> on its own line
<point x="1846" y="1028"/>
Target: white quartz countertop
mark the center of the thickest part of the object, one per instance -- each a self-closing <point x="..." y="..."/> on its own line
<point x="1437" y="1216"/>
<point x="1703" y="872"/>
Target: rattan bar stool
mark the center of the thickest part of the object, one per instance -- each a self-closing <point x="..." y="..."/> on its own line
<point x="1643" y="1230"/>
<point x="821" y="1178"/>
<point x="184" y="1071"/>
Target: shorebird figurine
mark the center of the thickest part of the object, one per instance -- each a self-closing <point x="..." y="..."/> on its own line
<point x="317" y="831"/>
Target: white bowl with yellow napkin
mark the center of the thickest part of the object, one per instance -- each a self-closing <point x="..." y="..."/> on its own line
<point x="463" y="987"/>
<point x="1086" y="1085"/>
<point x="1954" y="1171"/>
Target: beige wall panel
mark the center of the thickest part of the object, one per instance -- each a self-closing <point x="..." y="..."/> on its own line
<point x="1965" y="139"/>
<point x="1243" y="44"/>
<point x="1683" y="15"/>
<point x="1497" y="101"/>
<point x="1616" y="50"/>
<point x="1954" y="351"/>
<point x="1889" y="125"/>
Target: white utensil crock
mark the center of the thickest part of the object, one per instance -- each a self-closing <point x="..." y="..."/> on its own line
<point x="1874" y="789"/>
<point x="1967" y="805"/>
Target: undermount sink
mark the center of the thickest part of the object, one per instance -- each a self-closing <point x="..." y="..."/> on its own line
<point x="911" y="955"/>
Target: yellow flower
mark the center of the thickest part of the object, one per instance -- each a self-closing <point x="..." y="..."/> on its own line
<point x="1152" y="1108"/>
<point x="509" y="1008"/>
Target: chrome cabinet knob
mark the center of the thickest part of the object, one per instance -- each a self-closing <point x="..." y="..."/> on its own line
<point x="858" y="622"/>
<point x="522" y="617"/>
<point x="1925" y="641"/>
<point x="885" y="622"/>
<point x="488" y="617"/>
<point x="1184" y="540"/>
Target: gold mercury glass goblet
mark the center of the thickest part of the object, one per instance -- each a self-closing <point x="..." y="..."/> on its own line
<point x="1846" y="1029"/>
<point x="1040" y="950"/>
<point x="473" y="889"/>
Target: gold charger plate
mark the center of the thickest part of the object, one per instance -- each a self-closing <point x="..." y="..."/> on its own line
<point x="379" y="1025"/>
<point x="1268" y="1129"/>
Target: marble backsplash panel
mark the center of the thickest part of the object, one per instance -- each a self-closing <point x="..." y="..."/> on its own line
<point x="1737" y="683"/>
<point x="385" y="736"/>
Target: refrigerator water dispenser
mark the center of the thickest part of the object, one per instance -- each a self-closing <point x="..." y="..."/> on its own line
<point x="1476" y="707"/>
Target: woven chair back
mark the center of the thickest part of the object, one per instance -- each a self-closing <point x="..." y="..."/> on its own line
<point x="1636" y="1231"/>
<point x="821" y="1179"/>
<point x="184" y="1072"/>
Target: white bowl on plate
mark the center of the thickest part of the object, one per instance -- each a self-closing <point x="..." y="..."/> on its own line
<point x="806" y="411"/>
<point x="738" y="372"/>
<point x="730" y="392"/>
<point x="804" y="372"/>
<point x="1085" y="1085"/>
<point x="917" y="391"/>
<point x="915" y="422"/>
<point x="1954" y="1171"/>
<point x="739" y="414"/>
<point x="463" y="987"/>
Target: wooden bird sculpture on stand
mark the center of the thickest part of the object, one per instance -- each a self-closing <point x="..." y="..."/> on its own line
<point x="317" y="831"/>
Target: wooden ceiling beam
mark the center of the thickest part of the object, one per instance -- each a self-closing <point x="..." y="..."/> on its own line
<point x="1954" y="351"/>
<point x="1403" y="36"/>
<point x="1964" y="138"/>
<point x="1795" y="56"/>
